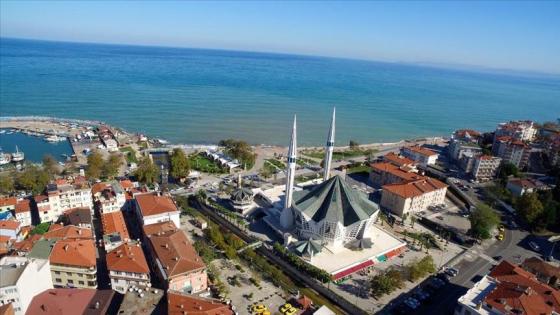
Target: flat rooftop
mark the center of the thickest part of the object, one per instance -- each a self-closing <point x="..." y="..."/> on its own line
<point x="477" y="293"/>
<point x="151" y="302"/>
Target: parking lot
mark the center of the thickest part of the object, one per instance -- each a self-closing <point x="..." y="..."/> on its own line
<point x="450" y="216"/>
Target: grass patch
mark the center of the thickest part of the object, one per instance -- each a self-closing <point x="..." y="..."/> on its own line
<point x="273" y="165"/>
<point x="40" y="229"/>
<point x="359" y="169"/>
<point x="130" y="154"/>
<point x="203" y="164"/>
<point x="340" y="155"/>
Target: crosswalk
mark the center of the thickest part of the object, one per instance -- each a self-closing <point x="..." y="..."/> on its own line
<point x="476" y="252"/>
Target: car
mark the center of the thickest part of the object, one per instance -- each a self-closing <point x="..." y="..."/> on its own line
<point x="549" y="258"/>
<point x="258" y="308"/>
<point x="412" y="302"/>
<point x="453" y="272"/>
<point x="436" y="282"/>
<point x="443" y="277"/>
<point x="534" y="246"/>
<point x="439" y="217"/>
<point x="285" y="307"/>
<point x="500" y="237"/>
<point x="421" y="295"/>
<point x="291" y="311"/>
<point x="501" y="228"/>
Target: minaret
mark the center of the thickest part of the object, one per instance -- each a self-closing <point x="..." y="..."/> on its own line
<point x="287" y="218"/>
<point x="329" y="149"/>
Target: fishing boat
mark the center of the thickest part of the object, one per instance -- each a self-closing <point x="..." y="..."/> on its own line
<point x="54" y="138"/>
<point x="18" y="156"/>
<point x="5" y="158"/>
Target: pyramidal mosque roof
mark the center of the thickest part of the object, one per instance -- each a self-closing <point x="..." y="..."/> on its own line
<point x="334" y="201"/>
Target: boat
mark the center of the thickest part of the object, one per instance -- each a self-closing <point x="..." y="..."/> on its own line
<point x="54" y="138"/>
<point x="5" y="158"/>
<point x="18" y="156"/>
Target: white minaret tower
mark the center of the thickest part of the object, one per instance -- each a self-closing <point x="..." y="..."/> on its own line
<point x="329" y="149"/>
<point x="287" y="218"/>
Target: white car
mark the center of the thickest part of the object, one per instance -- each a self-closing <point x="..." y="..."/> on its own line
<point x="453" y="272"/>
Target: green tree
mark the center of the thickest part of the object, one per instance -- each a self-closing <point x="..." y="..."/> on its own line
<point x="530" y="207"/>
<point x="386" y="282"/>
<point x="483" y="219"/>
<point x="7" y="184"/>
<point x="94" y="165"/>
<point x="239" y="150"/>
<point x="50" y="165"/>
<point x="147" y="172"/>
<point x="112" y="166"/>
<point x="508" y="169"/>
<point x="32" y="179"/>
<point x="180" y="166"/>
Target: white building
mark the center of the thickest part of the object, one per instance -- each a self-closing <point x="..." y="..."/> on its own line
<point x="485" y="167"/>
<point x="521" y="186"/>
<point x="420" y="154"/>
<point x="152" y="208"/>
<point x="523" y="130"/>
<point x="63" y="196"/>
<point x="128" y="267"/>
<point x="111" y="145"/>
<point x="8" y="204"/>
<point x="510" y="150"/>
<point x="108" y="197"/>
<point x="413" y="196"/>
<point x="21" y="279"/>
<point x="11" y="229"/>
<point x="23" y="212"/>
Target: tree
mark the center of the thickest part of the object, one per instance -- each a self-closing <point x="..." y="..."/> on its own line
<point x="147" y="172"/>
<point x="508" y="169"/>
<point x="529" y="207"/>
<point x="32" y="179"/>
<point x="483" y="219"/>
<point x="239" y="150"/>
<point x="386" y="282"/>
<point x="180" y="166"/>
<point x="94" y="164"/>
<point x="50" y="165"/>
<point x="112" y="166"/>
<point x="354" y="145"/>
<point x="7" y="184"/>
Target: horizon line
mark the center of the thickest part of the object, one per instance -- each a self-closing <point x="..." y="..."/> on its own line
<point x="424" y="64"/>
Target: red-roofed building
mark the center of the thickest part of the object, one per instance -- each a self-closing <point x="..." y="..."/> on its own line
<point x="388" y="173"/>
<point x="22" y="248"/>
<point x="71" y="302"/>
<point x="5" y="244"/>
<point x="23" y="212"/>
<point x="10" y="228"/>
<point x="520" y="186"/>
<point x="153" y="208"/>
<point x="420" y="154"/>
<point x="180" y="304"/>
<point x="399" y="160"/>
<point x="114" y="230"/>
<point x="128" y="267"/>
<point x="8" y="204"/>
<point x="509" y="289"/>
<point x="59" y="231"/>
<point x="73" y="264"/>
<point x="413" y="196"/>
<point x="510" y="150"/>
<point x="176" y="262"/>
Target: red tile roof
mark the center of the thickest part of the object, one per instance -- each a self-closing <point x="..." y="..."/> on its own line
<point x="462" y="133"/>
<point x="519" y="290"/>
<point x="70" y="302"/>
<point x="176" y="253"/>
<point x="180" y="304"/>
<point x="128" y="258"/>
<point x="160" y="227"/>
<point x="23" y="206"/>
<point x="113" y="222"/>
<point x="8" y="201"/>
<point x="394" y="170"/>
<point x="421" y="150"/>
<point x="151" y="204"/>
<point x="397" y="160"/>
<point x="126" y="184"/>
<point x="9" y="225"/>
<point x="79" y="253"/>
<point x="26" y="245"/>
<point x="41" y="198"/>
<point x="68" y="232"/>
<point x="415" y="188"/>
<point x="525" y="182"/>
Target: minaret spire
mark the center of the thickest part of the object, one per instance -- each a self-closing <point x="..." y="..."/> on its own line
<point x="286" y="218"/>
<point x="329" y="149"/>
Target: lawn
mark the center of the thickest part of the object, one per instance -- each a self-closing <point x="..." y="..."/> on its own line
<point x="130" y="154"/>
<point x="40" y="229"/>
<point x="340" y="155"/>
<point x="358" y="169"/>
<point x="203" y="164"/>
<point x="273" y="165"/>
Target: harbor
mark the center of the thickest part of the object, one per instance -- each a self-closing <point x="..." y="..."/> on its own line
<point x="18" y="147"/>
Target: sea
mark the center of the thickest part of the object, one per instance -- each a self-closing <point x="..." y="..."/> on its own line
<point x="200" y="96"/>
<point x="33" y="147"/>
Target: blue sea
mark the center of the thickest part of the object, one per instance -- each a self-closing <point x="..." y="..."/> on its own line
<point x="34" y="147"/>
<point x="202" y="96"/>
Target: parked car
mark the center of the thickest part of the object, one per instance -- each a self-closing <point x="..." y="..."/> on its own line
<point x="534" y="246"/>
<point x="453" y="272"/>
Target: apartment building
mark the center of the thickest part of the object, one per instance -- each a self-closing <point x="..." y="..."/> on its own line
<point x="71" y="301"/>
<point x="420" y="155"/>
<point x="11" y="229"/>
<point x="521" y="186"/>
<point x="399" y="160"/>
<point x="73" y="264"/>
<point x="176" y="262"/>
<point x="522" y="130"/>
<point x="512" y="151"/>
<point x="21" y="279"/>
<point x="153" y="208"/>
<point x="64" y="195"/>
<point x="63" y="232"/>
<point x="485" y="167"/>
<point x="128" y="267"/>
<point x="108" y="197"/>
<point x="80" y="217"/>
<point x="43" y="206"/>
<point x="385" y="173"/>
<point x="413" y="196"/>
<point x="22" y="212"/>
<point x="8" y="204"/>
<point x="114" y="230"/>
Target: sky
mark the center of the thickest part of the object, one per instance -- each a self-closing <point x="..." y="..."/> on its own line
<point x="497" y="35"/>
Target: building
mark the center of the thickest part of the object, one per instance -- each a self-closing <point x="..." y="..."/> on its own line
<point x="73" y="264"/>
<point x="485" y="167"/>
<point x="22" y="212"/>
<point x="385" y="173"/>
<point x="420" y="154"/>
<point x="180" y="304"/>
<point x="545" y="272"/>
<point x="242" y="200"/>
<point x="114" y="230"/>
<point x="413" y="196"/>
<point x="108" y="197"/>
<point x="146" y="302"/>
<point x="509" y="289"/>
<point x="464" y="142"/>
<point x="176" y="262"/>
<point x="399" y="160"/>
<point x="7" y="309"/>
<point x="512" y="151"/>
<point x="80" y="217"/>
<point x="59" y="231"/>
<point x="11" y="229"/>
<point x="5" y="245"/>
<point x="43" y="206"/>
<point x="521" y="186"/>
<point x="71" y="302"/>
<point x="21" y="279"/>
<point x="64" y="195"/>
<point x="128" y="267"/>
<point x="522" y="130"/>
<point x="153" y="208"/>
<point x="8" y="204"/>
<point x="22" y="248"/>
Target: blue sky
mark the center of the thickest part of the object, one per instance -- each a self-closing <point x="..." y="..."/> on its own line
<point x="503" y="34"/>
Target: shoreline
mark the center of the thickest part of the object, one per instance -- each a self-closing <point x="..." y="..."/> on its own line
<point x="58" y="127"/>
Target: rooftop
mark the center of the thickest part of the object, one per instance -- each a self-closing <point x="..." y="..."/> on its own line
<point x="23" y="206"/>
<point x="403" y="172"/>
<point x="180" y="304"/>
<point x="77" y="216"/>
<point x="9" y="225"/>
<point x="128" y="258"/>
<point x="8" y="201"/>
<point x="544" y="268"/>
<point x="151" y="302"/>
<point x="415" y="188"/>
<point x="10" y="274"/>
<point x="526" y="182"/>
<point x="71" y="301"/>
<point x="420" y="150"/>
<point x="113" y="222"/>
<point x="176" y="253"/>
<point x="58" y="231"/>
<point x="152" y="204"/>
<point x="159" y="228"/>
<point x="42" y="249"/>
<point x="80" y="253"/>
<point x="397" y="160"/>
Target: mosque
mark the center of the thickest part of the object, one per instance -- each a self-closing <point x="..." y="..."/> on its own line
<point x="329" y="219"/>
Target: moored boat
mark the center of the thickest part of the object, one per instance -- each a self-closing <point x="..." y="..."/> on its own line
<point x="18" y="156"/>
